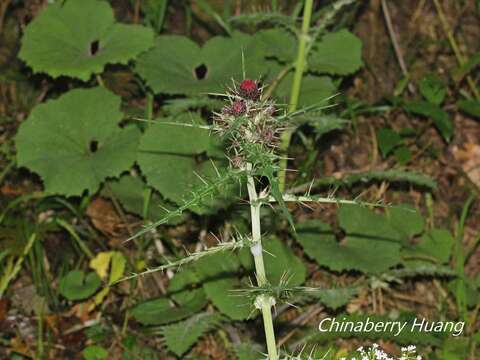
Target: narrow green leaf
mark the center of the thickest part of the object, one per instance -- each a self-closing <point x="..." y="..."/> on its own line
<point x="471" y="107"/>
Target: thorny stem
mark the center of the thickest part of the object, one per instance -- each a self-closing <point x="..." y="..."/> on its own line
<point x="296" y="86"/>
<point x="264" y="303"/>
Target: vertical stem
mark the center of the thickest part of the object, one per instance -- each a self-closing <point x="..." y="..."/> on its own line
<point x="456" y="50"/>
<point x="263" y="302"/>
<point x="274" y="5"/>
<point x="296" y="86"/>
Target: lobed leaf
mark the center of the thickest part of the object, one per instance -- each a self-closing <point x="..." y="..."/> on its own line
<point x="74" y="142"/>
<point x="79" y="38"/>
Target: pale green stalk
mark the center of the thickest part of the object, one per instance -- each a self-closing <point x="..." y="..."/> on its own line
<point x="263" y="303"/>
<point x="296" y="86"/>
<point x="13" y="269"/>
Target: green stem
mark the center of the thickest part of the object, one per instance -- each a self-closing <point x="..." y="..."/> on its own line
<point x="456" y="50"/>
<point x="296" y="86"/>
<point x="274" y="5"/>
<point x="263" y="303"/>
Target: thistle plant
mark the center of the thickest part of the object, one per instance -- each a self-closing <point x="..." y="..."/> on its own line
<point x="250" y="126"/>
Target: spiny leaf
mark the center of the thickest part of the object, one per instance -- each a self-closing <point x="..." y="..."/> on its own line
<point x="268" y="171"/>
<point x="79" y="38"/>
<point x="78" y="131"/>
<point x="375" y="175"/>
<point x="197" y="196"/>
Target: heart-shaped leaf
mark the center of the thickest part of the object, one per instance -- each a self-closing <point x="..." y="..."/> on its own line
<point x="79" y="38"/>
<point x="74" y="142"/>
<point x="76" y="285"/>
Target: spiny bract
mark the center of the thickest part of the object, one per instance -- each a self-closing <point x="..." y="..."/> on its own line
<point x="248" y="123"/>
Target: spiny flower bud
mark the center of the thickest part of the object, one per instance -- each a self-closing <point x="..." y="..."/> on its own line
<point x="238" y="108"/>
<point x="249" y="89"/>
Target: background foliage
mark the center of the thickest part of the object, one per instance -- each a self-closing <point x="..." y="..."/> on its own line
<point x="91" y="92"/>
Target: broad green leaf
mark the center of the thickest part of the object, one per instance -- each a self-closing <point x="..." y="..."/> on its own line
<point x="362" y="222"/>
<point x="278" y="43"/>
<point x="403" y="155"/>
<point x="335" y="298"/>
<point x="437" y="243"/>
<point x="281" y="262"/>
<point x="223" y="294"/>
<point x="181" y="336"/>
<point x="471" y="107"/>
<point x="355" y="252"/>
<point x="75" y="142"/>
<point x="76" y="285"/>
<point x="387" y="139"/>
<point x="338" y="53"/>
<point x="181" y="286"/>
<point x="314" y="89"/>
<point x="95" y="352"/>
<point x="218" y="274"/>
<point x="433" y="89"/>
<point x="161" y="311"/>
<point x="132" y="193"/>
<point x="173" y="159"/>
<point x="79" y="38"/>
<point x="440" y="117"/>
<point x="406" y="220"/>
<point x="248" y="351"/>
<point x="323" y="124"/>
<point x="195" y="69"/>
